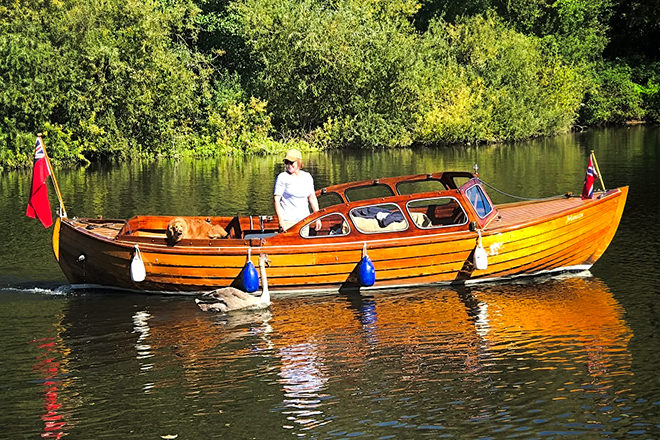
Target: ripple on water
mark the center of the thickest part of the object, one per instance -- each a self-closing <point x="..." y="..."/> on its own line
<point x="488" y="362"/>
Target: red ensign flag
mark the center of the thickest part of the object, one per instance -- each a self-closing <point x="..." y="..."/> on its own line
<point x="38" y="205"/>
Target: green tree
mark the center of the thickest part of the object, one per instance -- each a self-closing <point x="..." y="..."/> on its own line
<point x="108" y="78"/>
<point x="336" y="64"/>
<point x="488" y="82"/>
<point x="613" y="97"/>
<point x="358" y="72"/>
<point x="575" y="29"/>
<point x="635" y="29"/>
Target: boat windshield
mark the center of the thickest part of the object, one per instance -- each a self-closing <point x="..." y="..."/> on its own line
<point x="327" y="199"/>
<point x="479" y="201"/>
<point x="420" y="186"/>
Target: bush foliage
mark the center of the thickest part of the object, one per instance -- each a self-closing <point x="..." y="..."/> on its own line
<point x="121" y="79"/>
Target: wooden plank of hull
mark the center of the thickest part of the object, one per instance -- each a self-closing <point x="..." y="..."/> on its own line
<point x="431" y="258"/>
<point x="586" y="241"/>
<point x="569" y="254"/>
<point x="513" y="250"/>
<point x="83" y="259"/>
<point x="411" y="270"/>
<point x="534" y="259"/>
<point x="575" y="237"/>
<point x="572" y="253"/>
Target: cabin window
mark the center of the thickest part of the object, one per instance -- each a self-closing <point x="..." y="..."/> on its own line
<point x="479" y="201"/>
<point x="332" y="225"/>
<point x="420" y="186"/>
<point x="368" y="192"/>
<point x="329" y="199"/>
<point x="461" y="180"/>
<point x="386" y="217"/>
<point x="436" y="212"/>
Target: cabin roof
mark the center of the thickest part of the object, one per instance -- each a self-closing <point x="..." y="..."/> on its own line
<point x="447" y="178"/>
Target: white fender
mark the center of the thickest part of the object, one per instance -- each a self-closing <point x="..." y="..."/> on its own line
<point x="138" y="272"/>
<point x="480" y="255"/>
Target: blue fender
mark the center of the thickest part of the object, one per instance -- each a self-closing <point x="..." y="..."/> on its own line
<point x="250" y="277"/>
<point x="366" y="272"/>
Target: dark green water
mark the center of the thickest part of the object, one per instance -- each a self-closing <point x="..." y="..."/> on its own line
<point x="574" y="357"/>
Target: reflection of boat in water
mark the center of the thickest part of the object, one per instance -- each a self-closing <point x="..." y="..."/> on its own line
<point x="576" y="314"/>
<point x="418" y="230"/>
<point x="439" y="323"/>
<point x="574" y="319"/>
<point x="295" y="362"/>
<point x="579" y="309"/>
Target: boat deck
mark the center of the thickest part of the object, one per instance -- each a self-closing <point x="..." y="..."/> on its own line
<point x="516" y="213"/>
<point x="105" y="228"/>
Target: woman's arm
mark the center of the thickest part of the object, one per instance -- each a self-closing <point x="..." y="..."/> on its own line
<point x="278" y="210"/>
<point x="314" y="203"/>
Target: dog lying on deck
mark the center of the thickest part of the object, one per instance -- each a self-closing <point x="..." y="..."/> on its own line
<point x="180" y="228"/>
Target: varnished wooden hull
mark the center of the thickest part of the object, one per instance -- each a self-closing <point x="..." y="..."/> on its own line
<point x="526" y="239"/>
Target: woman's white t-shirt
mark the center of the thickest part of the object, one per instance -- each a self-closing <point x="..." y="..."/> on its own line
<point x="295" y="190"/>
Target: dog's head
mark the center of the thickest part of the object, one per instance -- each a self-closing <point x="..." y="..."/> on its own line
<point x="175" y="230"/>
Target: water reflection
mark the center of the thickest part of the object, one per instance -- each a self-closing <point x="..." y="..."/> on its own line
<point x="310" y="364"/>
<point x="567" y="323"/>
<point x="51" y="367"/>
<point x="303" y="381"/>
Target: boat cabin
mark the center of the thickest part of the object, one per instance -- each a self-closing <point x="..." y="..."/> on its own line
<point x="409" y="205"/>
<point x="428" y="201"/>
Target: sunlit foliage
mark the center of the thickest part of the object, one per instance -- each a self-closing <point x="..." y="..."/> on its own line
<point x="147" y="78"/>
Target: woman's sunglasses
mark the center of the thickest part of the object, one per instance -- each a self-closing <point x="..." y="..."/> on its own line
<point x="287" y="162"/>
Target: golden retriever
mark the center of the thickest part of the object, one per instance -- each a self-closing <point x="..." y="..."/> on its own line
<point x="180" y="228"/>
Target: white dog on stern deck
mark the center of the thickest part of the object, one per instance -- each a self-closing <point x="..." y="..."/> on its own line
<point x="229" y="298"/>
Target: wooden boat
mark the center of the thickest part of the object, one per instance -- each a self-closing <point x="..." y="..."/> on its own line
<point x="417" y="229"/>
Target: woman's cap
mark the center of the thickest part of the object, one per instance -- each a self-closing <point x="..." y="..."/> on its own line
<point x="293" y="155"/>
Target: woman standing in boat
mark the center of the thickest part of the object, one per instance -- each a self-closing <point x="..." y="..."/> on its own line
<point x="294" y="192"/>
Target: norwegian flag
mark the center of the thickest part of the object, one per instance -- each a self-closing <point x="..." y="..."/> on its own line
<point x="38" y="205"/>
<point x="589" y="179"/>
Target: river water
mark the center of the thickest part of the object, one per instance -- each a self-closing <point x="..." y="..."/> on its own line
<point x="569" y="357"/>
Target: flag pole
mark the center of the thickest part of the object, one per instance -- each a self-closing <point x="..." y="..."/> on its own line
<point x="600" y="176"/>
<point x="52" y="176"/>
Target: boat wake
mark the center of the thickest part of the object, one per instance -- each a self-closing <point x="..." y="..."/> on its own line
<point x="55" y="290"/>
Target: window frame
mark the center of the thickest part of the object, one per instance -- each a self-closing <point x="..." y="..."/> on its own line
<point x="465" y="214"/>
<point x="308" y="225"/>
<point x="484" y="196"/>
<point x="407" y="227"/>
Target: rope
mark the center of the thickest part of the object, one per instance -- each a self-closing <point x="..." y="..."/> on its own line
<point x="522" y="198"/>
